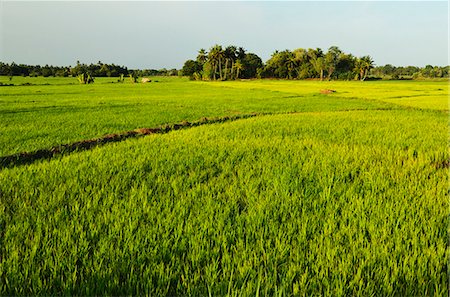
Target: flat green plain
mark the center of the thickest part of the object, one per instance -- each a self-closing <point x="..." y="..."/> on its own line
<point x="40" y="116"/>
<point x="339" y="194"/>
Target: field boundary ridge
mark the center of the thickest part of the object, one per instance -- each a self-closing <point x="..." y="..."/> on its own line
<point x="24" y="158"/>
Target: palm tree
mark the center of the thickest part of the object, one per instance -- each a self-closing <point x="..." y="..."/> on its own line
<point x="301" y="56"/>
<point x="230" y="56"/>
<point x="291" y="65"/>
<point x="215" y="56"/>
<point x="363" y="66"/>
<point x="239" y="67"/>
<point x="220" y="56"/>
<point x="213" y="59"/>
<point x="332" y="59"/>
<point x="301" y="59"/>
<point x="319" y="66"/>
<point x="202" y="56"/>
<point x="367" y="64"/>
<point x="359" y="69"/>
<point x="240" y="53"/>
<point x="313" y="54"/>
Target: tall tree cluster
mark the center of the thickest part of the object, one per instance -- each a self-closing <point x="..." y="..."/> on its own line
<point x="223" y="63"/>
<point x="229" y="63"/>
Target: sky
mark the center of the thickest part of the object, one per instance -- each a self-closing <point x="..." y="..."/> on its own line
<point x="164" y="34"/>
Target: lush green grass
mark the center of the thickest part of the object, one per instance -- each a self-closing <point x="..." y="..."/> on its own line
<point x="348" y="196"/>
<point x="338" y="203"/>
<point x="420" y="94"/>
<point x="41" y="116"/>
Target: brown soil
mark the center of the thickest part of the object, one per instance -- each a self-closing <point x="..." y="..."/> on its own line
<point x="30" y="157"/>
<point x="326" y="91"/>
<point x="146" y="131"/>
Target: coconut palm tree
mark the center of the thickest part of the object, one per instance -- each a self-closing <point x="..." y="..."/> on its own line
<point x="220" y="57"/>
<point x="240" y="53"/>
<point x="367" y="64"/>
<point x="319" y="66"/>
<point x="302" y="59"/>
<point x="291" y="64"/>
<point x="202" y="56"/>
<point x="363" y="66"/>
<point x="215" y="57"/>
<point x="230" y="56"/>
<point x="301" y="56"/>
<point x="313" y="54"/>
<point x="239" y="67"/>
<point x="332" y="60"/>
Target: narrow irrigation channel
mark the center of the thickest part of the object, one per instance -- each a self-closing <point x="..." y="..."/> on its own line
<point x="30" y="157"/>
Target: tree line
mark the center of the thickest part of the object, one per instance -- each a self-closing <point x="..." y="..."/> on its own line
<point x="95" y="70"/>
<point x="231" y="62"/>
<point x="410" y="72"/>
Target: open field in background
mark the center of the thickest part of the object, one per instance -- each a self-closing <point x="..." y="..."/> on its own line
<point x="40" y="116"/>
<point x="421" y="94"/>
<point x="340" y="194"/>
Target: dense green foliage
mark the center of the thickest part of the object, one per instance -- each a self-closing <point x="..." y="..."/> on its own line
<point x="342" y="194"/>
<point x="314" y="63"/>
<point x="223" y="63"/>
<point x="96" y="70"/>
<point x="410" y="72"/>
<point x="226" y="63"/>
<point x="232" y="62"/>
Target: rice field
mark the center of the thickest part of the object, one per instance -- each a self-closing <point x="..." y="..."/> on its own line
<point x="337" y="195"/>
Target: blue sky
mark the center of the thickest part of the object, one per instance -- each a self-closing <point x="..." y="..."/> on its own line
<point x="165" y="34"/>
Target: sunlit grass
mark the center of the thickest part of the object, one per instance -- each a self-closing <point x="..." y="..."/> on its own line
<point x="333" y="195"/>
<point x="341" y="203"/>
<point x="41" y="116"/>
<point x="419" y="94"/>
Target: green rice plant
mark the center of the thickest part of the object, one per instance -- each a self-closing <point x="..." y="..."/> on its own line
<point x="316" y="203"/>
<point x="42" y="116"/>
<point x="320" y="194"/>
